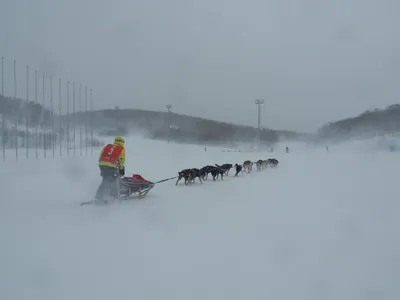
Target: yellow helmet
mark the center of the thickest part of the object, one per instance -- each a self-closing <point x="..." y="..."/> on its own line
<point x="119" y="140"/>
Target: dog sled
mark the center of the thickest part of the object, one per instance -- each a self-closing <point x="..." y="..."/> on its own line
<point x="135" y="186"/>
<point x="128" y="188"/>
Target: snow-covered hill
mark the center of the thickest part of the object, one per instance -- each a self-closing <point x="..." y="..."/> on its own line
<point x="320" y="226"/>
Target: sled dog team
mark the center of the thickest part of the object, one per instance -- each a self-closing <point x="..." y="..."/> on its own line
<point x="112" y="160"/>
<point x="190" y="175"/>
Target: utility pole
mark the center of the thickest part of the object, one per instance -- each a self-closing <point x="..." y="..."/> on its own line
<point x="59" y="113"/>
<point x="91" y="121"/>
<point x="2" y="76"/>
<point x="80" y="120"/>
<point x="169" y="107"/>
<point x="53" y="140"/>
<point x="86" y="125"/>
<point x="67" y="117"/>
<point x="116" y="114"/>
<point x="27" y="114"/>
<point x="74" y="116"/>
<point x="36" y="116"/>
<point x="17" y="112"/>
<point x="44" y="119"/>
<point x="3" y="122"/>
<point x="258" y="102"/>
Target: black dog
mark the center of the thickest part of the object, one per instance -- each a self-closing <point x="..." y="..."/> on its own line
<point x="193" y="174"/>
<point x="204" y="171"/>
<point x="225" y="168"/>
<point x="215" y="172"/>
<point x="272" y="162"/>
<point x="184" y="174"/>
<point x="239" y="168"/>
<point x="259" y="165"/>
<point x="248" y="166"/>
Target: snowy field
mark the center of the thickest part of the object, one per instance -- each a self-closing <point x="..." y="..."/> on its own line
<point x="320" y="226"/>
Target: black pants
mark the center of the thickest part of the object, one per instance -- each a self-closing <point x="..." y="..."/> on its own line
<point x="108" y="185"/>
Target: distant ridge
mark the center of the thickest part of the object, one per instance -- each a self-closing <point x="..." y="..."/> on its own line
<point x="154" y="124"/>
<point x="370" y="123"/>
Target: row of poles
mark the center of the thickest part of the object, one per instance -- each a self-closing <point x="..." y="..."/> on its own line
<point x="51" y="135"/>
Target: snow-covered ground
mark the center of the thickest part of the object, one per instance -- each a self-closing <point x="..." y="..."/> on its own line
<point x="320" y="226"/>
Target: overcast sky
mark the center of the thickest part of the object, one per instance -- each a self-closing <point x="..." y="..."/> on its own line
<point x="312" y="61"/>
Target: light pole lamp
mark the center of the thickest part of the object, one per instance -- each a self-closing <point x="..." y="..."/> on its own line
<point x="169" y="107"/>
<point x="258" y="102"/>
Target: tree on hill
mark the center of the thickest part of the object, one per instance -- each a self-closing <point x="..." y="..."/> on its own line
<point x="367" y="124"/>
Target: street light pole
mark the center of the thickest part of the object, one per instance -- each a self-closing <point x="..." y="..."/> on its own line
<point x="2" y="76"/>
<point x="169" y="107"/>
<point x="91" y="121"/>
<point x="3" y="124"/>
<point x="258" y="102"/>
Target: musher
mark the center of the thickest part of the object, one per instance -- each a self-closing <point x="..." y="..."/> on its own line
<point x="111" y="162"/>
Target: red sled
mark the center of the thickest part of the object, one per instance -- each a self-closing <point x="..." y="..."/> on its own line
<point x="134" y="186"/>
<point x="129" y="188"/>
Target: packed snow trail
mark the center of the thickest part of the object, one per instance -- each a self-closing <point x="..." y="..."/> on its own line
<point x="320" y="226"/>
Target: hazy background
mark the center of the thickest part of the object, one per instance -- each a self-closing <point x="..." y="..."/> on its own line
<point x="312" y="61"/>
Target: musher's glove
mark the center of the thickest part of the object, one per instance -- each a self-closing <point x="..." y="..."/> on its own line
<point x="122" y="171"/>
